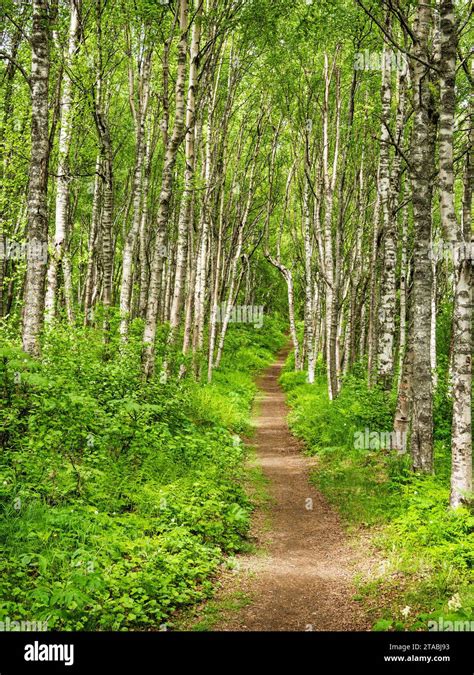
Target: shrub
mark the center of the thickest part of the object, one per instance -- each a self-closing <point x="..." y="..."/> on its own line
<point x="119" y="499"/>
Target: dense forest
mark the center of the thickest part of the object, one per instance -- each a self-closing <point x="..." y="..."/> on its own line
<point x="188" y="189"/>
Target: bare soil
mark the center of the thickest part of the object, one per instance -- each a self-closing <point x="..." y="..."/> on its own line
<point x="301" y="576"/>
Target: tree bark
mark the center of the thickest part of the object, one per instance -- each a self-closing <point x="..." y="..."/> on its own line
<point x="37" y="234"/>
<point x="422" y="170"/>
<point x="139" y="112"/>
<point x="62" y="184"/>
<point x="386" y="309"/>
<point x="460" y="238"/>
<point x="186" y="200"/>
<point x="149" y="335"/>
<point x="329" y="181"/>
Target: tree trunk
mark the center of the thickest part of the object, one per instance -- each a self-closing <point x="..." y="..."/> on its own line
<point x="149" y="335"/>
<point x="386" y="313"/>
<point x="91" y="247"/>
<point x="308" y="276"/>
<point x="144" y="233"/>
<point x="329" y="181"/>
<point x="186" y="200"/>
<point x="62" y="185"/>
<point x="139" y="115"/>
<point x="422" y="171"/>
<point x="460" y="238"/>
<point x="37" y="234"/>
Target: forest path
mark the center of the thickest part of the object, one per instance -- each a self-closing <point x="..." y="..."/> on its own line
<point x="302" y="578"/>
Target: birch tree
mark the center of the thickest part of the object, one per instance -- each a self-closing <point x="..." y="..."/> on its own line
<point x="57" y="259"/>
<point x="422" y="170"/>
<point x="37" y="235"/>
<point x="173" y="143"/>
<point x="459" y="237"/>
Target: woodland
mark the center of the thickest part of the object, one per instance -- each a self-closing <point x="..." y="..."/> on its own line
<point x="189" y="187"/>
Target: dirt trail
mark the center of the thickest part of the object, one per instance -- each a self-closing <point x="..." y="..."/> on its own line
<point x="303" y="581"/>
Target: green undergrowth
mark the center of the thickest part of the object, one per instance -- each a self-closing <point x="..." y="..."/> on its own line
<point x="229" y="595"/>
<point x="120" y="499"/>
<point x="429" y="549"/>
<point x="214" y="612"/>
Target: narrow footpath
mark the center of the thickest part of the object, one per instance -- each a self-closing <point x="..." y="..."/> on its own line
<point x="302" y="579"/>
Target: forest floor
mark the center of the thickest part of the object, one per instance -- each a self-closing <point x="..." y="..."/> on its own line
<point x="300" y="575"/>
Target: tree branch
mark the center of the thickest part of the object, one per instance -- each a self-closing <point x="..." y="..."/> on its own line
<point x="395" y="44"/>
<point x="5" y="55"/>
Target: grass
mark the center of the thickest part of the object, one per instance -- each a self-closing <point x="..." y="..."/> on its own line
<point x="214" y="612"/>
